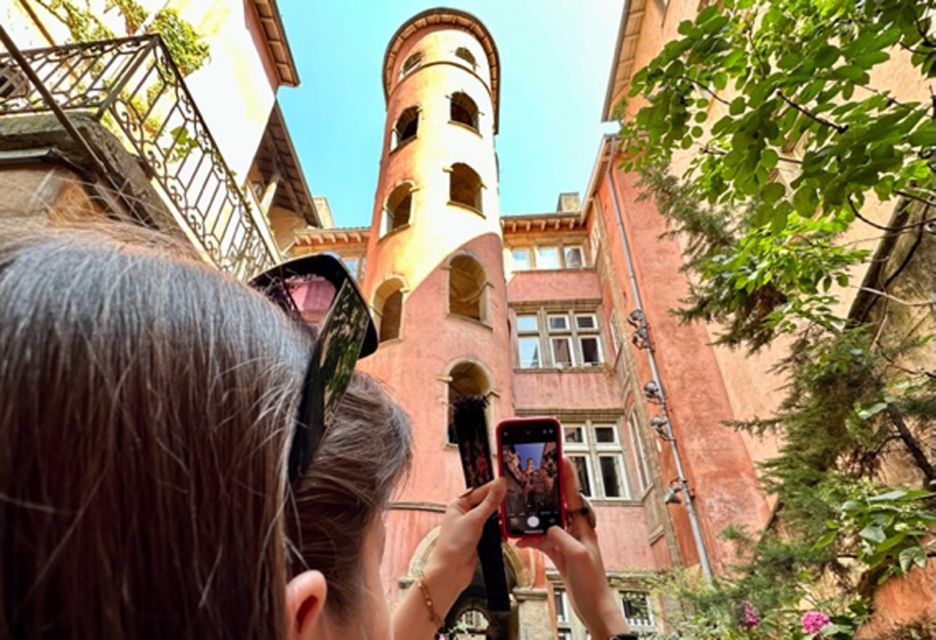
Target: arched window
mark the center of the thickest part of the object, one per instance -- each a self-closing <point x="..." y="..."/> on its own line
<point x="466" y="379"/>
<point x="398" y="208"/>
<point x="406" y="126"/>
<point x="466" y="55"/>
<point x="467" y="288"/>
<point x="465" y="186"/>
<point x="388" y="307"/>
<point x="464" y="110"/>
<point x="411" y="63"/>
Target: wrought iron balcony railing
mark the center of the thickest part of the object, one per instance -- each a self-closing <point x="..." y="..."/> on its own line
<point x="132" y="87"/>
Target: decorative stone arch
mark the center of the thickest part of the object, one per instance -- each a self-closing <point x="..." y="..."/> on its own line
<point x="397" y="211"/>
<point x="469" y="287"/>
<point x="465" y="375"/>
<point x="463" y="110"/>
<point x="387" y="305"/>
<point x="406" y="126"/>
<point x="512" y="561"/>
<point x="466" y="187"/>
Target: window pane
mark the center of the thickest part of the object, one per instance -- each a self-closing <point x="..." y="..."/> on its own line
<point x="527" y="324"/>
<point x="605" y="435"/>
<point x="520" y="259"/>
<point x="636" y="607"/>
<point x="611" y="476"/>
<point x="558" y="322"/>
<point x="530" y="353"/>
<point x="591" y="353"/>
<point x="581" y="470"/>
<point x="562" y="613"/>
<point x="586" y="321"/>
<point x="547" y="258"/>
<point x="573" y="258"/>
<point x="564" y="634"/>
<point x="574" y="434"/>
<point x="562" y="352"/>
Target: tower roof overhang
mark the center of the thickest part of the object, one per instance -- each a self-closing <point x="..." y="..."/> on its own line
<point x="451" y="17"/>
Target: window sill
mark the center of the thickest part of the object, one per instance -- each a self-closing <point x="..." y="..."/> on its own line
<point x="478" y="323"/>
<point x="598" y="368"/>
<point x="615" y="502"/>
<point x="555" y="270"/>
<point x="468" y="127"/>
<point x="393" y="232"/>
<point x="467" y="207"/>
<point x="404" y="144"/>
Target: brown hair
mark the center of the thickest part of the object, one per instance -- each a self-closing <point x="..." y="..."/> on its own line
<point x="145" y="402"/>
<point x="361" y="459"/>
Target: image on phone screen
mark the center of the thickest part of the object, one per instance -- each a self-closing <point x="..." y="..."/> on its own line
<point x="531" y="468"/>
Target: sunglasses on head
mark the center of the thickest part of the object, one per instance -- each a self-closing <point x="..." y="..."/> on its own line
<point x="318" y="291"/>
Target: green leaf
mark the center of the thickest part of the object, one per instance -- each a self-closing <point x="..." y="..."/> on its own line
<point x="896" y="494"/>
<point x="769" y="159"/>
<point x="826" y="56"/>
<point x="737" y="106"/>
<point x="872" y="532"/>
<point x="910" y="556"/>
<point x="873" y="410"/>
<point x="772" y="192"/>
<point x="826" y="539"/>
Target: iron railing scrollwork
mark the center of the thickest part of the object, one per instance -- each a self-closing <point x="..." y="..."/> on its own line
<point x="132" y="87"/>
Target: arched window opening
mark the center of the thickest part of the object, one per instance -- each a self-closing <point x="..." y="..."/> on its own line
<point x="411" y="63"/>
<point x="407" y="125"/>
<point x="467" y="379"/>
<point x="465" y="186"/>
<point x="397" y="211"/>
<point x="466" y="55"/>
<point x="464" y="110"/>
<point x="467" y="288"/>
<point x="388" y="305"/>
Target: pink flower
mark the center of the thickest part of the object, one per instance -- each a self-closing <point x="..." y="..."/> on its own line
<point x="814" y="621"/>
<point x="749" y="616"/>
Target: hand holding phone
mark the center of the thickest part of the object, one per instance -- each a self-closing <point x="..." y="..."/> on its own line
<point x="529" y="453"/>
<point x="577" y="556"/>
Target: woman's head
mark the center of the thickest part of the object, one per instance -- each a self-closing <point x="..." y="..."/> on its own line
<point x="145" y="408"/>
<point x="339" y="505"/>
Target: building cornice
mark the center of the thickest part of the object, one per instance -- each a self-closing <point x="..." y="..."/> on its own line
<point x="543" y="222"/>
<point x="346" y="236"/>
<point x="451" y="17"/>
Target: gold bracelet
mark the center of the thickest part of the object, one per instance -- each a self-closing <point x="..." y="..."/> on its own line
<point x="433" y="616"/>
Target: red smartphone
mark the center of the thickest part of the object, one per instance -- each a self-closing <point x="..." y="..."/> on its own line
<point x="529" y="451"/>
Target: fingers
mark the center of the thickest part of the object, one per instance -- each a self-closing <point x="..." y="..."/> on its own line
<point x="487" y="499"/>
<point x="570" y="485"/>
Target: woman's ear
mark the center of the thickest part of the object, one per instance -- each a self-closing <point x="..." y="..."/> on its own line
<point x="305" y="606"/>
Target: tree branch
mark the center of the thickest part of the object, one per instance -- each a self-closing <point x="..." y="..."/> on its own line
<point x="884" y="227"/>
<point x="812" y="116"/>
<point x="913" y="446"/>
<point x="706" y="89"/>
<point x="906" y="303"/>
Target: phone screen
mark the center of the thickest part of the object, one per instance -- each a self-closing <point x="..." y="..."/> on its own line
<point x="529" y="459"/>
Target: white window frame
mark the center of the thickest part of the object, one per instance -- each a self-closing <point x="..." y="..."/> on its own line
<point x="615" y="445"/>
<point x="553" y="338"/>
<point x="618" y="458"/>
<point x="575" y="446"/>
<point x="535" y="329"/>
<point x="581" y="349"/>
<point x="589" y="472"/>
<point x="638" y="624"/>
<point x="539" y="346"/>
<point x="555" y="316"/>
<point x="555" y="247"/>
<point x="529" y="259"/>
<point x="581" y="251"/>
<point x="592" y="316"/>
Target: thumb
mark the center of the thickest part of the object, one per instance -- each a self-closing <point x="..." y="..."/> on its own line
<point x="564" y="543"/>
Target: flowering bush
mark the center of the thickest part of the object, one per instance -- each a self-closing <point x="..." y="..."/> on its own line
<point x="814" y="621"/>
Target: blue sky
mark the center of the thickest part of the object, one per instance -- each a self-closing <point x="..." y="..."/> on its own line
<point x="555" y="55"/>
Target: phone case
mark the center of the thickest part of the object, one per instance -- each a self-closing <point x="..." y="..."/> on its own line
<point x="515" y="423"/>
